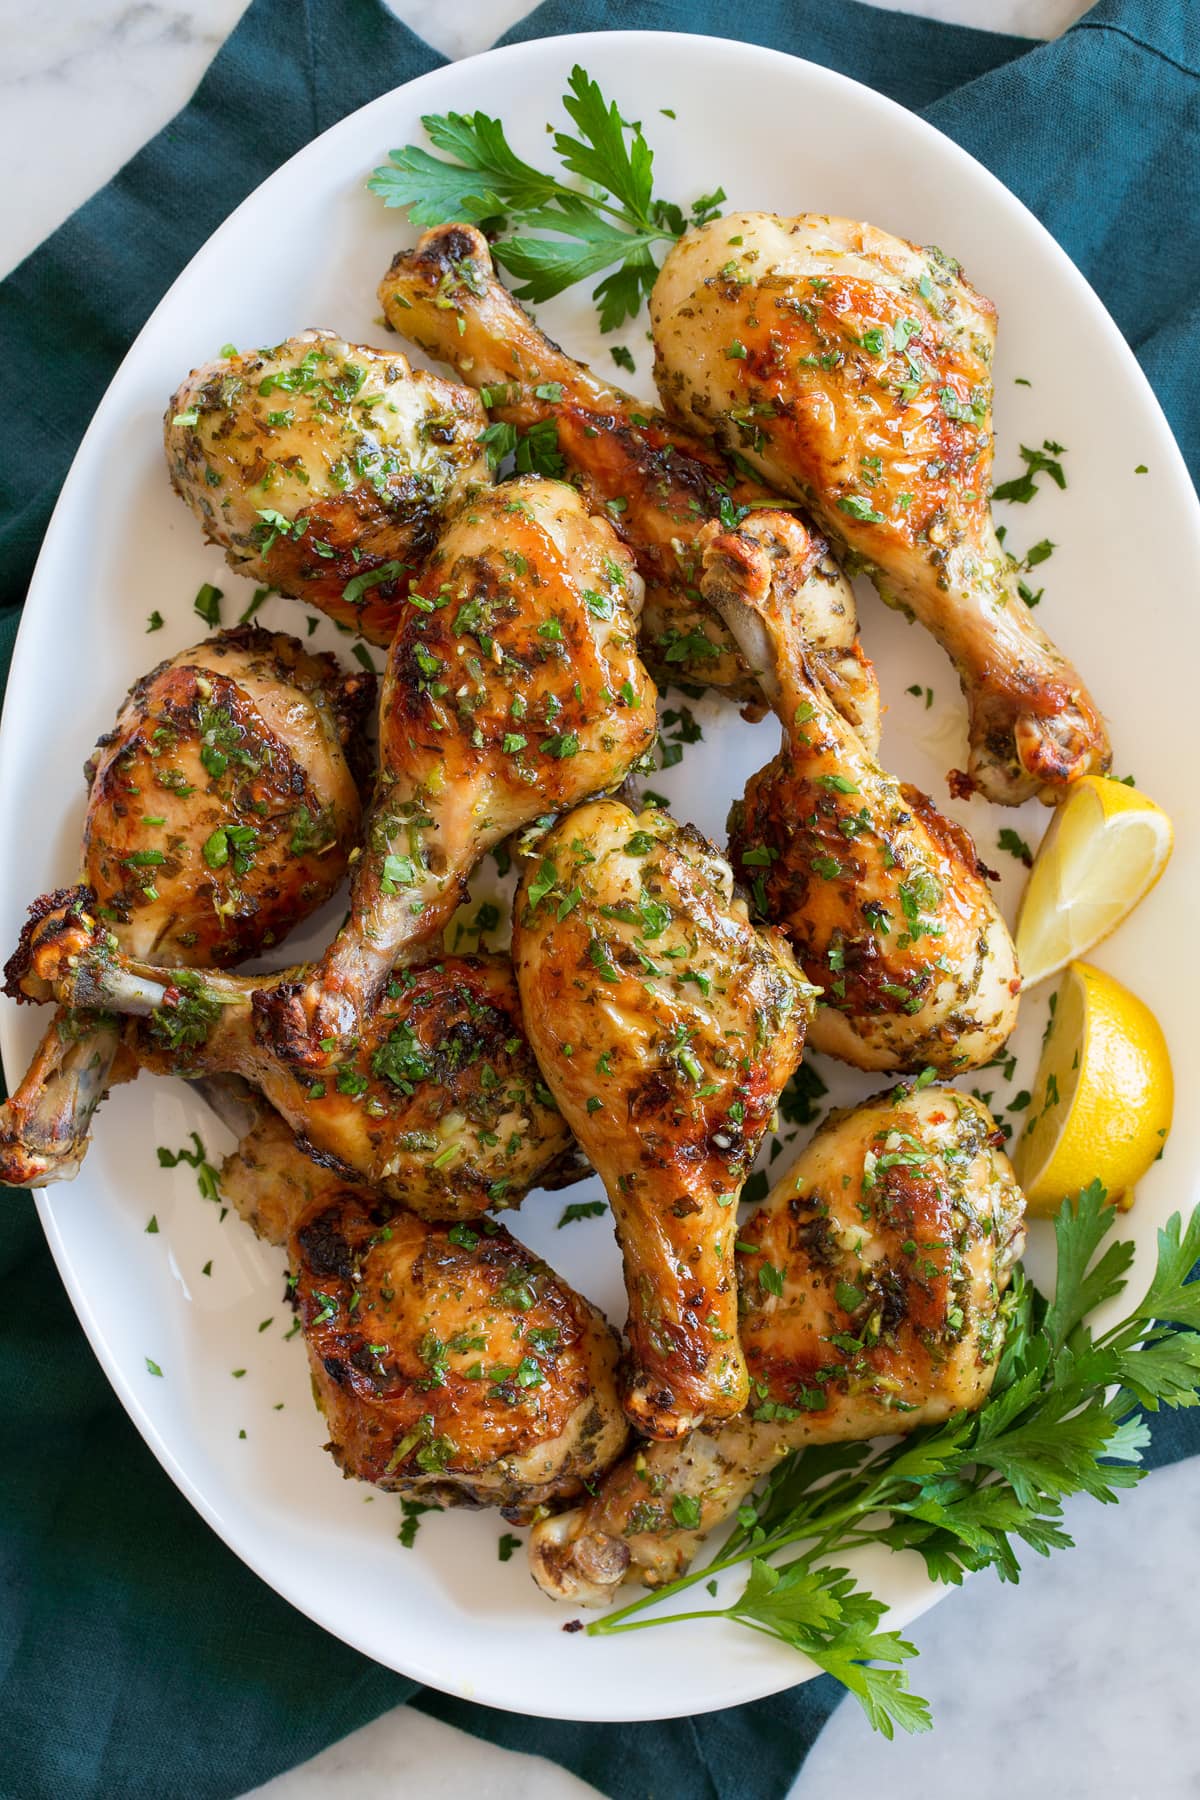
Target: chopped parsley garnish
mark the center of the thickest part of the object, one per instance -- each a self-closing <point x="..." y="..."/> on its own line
<point x="685" y="1510"/>
<point x="196" y="1158"/>
<point x="401" y="1060"/>
<point x="859" y="507"/>
<point x="234" y="844"/>
<point x="312" y="831"/>
<point x="564" y="745"/>
<point x="412" y="1511"/>
<point x="963" y="412"/>
<point x="358" y="585"/>
<point x="1015" y="844"/>
<point x="186" y="1020"/>
<point x="581" y="1209"/>
<point x="208" y="604"/>
<point x="1022" y="488"/>
<point x="541" y="883"/>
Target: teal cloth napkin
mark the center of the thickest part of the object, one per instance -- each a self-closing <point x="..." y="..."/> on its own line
<point x="139" y="1660"/>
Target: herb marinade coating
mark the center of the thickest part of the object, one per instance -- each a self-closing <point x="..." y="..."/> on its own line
<point x="667" y="1026"/>
<point x="437" y="1101"/>
<point x="223" y="808"/>
<point x="450" y="1364"/>
<point x="883" y="897"/>
<point x="852" y="371"/>
<point x="872" y="1283"/>
<point x="656" y="482"/>
<point x="325" y="469"/>
<point x="514" y="687"/>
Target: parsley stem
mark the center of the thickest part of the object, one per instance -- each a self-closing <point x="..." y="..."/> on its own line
<point x="826" y="1530"/>
<point x="607" y="1625"/>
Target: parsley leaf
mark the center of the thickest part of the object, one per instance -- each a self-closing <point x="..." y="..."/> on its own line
<point x="613" y="224"/>
<point x="581" y="1209"/>
<point x="1015" y="844"/>
<point x="1060" y="1419"/>
<point x="1022" y="488"/>
<point x="1080" y="1226"/>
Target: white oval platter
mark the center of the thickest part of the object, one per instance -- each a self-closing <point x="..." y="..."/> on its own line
<point x="308" y="248"/>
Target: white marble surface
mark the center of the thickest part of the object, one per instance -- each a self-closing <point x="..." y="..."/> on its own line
<point x="1078" y="1683"/>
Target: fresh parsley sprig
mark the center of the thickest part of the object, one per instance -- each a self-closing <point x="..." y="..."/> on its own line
<point x="1061" y="1419"/>
<point x="614" y="223"/>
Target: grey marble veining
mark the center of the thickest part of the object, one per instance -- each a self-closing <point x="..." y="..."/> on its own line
<point x="1078" y="1683"/>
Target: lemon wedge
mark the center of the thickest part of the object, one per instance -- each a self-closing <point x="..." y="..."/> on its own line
<point x="1106" y="847"/>
<point x="1103" y="1098"/>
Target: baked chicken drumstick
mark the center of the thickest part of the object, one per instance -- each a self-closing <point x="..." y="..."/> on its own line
<point x="325" y="469"/>
<point x="437" y="1101"/>
<point x="666" y="1026"/>
<point x="450" y="1364"/>
<point x="882" y="896"/>
<point x="222" y="810"/>
<point x="513" y="688"/>
<point x="657" y="483"/>
<point x="854" y="371"/>
<point x="872" y="1280"/>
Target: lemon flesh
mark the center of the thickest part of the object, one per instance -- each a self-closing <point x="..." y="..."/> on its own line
<point x="1106" y="847"/>
<point x="1103" y="1098"/>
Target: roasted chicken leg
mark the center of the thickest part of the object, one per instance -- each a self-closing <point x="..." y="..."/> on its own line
<point x="854" y="372"/>
<point x="437" y="1102"/>
<point x="872" y="1280"/>
<point x="656" y="483"/>
<point x="513" y="689"/>
<point x="222" y="810"/>
<point x="325" y="469"/>
<point x="883" y="897"/>
<point x="450" y="1364"/>
<point x="666" y="1026"/>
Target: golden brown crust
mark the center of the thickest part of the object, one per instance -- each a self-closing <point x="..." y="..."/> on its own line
<point x="513" y="688"/>
<point x="882" y="898"/>
<point x="325" y="469"/>
<point x="222" y="808"/>
<point x="872" y="1283"/>
<point x="655" y="482"/>
<point x="854" y="371"/>
<point x="666" y="1026"/>
<point x="452" y="1364"/>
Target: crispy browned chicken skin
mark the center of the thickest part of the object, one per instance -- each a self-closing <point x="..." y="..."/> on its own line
<point x="656" y="483"/>
<point x="437" y="1101"/>
<point x="450" y="1364"/>
<point x="325" y="469"/>
<point x="222" y="806"/>
<point x="854" y="372"/>
<point x="872" y="1280"/>
<point x="513" y="689"/>
<point x="222" y="810"/>
<point x="666" y="1026"/>
<point x="883" y="897"/>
